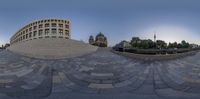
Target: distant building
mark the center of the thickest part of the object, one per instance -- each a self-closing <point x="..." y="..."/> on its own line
<point x="194" y="45"/>
<point x="41" y="29"/>
<point x="124" y="44"/>
<point x="5" y="46"/>
<point x="100" y="40"/>
<point x="91" y="40"/>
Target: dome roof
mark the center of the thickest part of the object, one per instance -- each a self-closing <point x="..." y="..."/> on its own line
<point x="100" y="34"/>
<point x="91" y="37"/>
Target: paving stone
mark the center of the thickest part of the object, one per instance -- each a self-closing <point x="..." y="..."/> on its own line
<point x="122" y="84"/>
<point x="99" y="75"/>
<point x="4" y="81"/>
<point x="102" y="74"/>
<point x="170" y="93"/>
<point x="100" y="86"/>
<point x="24" y="72"/>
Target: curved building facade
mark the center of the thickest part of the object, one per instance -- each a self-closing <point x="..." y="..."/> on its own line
<point x="41" y="29"/>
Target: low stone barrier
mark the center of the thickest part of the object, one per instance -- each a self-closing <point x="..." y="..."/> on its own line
<point x="155" y="57"/>
<point x="52" y="48"/>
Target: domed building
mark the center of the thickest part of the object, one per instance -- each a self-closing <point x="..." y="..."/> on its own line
<point x="91" y="40"/>
<point x="100" y="40"/>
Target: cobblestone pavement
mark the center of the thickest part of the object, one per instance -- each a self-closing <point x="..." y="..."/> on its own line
<point x="99" y="75"/>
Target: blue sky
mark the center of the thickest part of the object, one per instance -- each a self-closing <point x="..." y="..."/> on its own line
<point x="171" y="20"/>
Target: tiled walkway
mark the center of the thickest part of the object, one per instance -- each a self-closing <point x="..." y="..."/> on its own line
<point x="100" y="75"/>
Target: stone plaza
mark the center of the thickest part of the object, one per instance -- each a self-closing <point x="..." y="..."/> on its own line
<point x="98" y="75"/>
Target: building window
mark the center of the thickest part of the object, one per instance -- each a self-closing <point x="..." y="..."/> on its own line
<point x="66" y="26"/>
<point x="41" y="25"/>
<point x="26" y="30"/>
<point x="53" y="31"/>
<point x="60" y="25"/>
<point x="30" y="34"/>
<point x="46" y="31"/>
<point x="53" y="25"/>
<point x="26" y="36"/>
<point x="35" y="27"/>
<point x="30" y="29"/>
<point x="47" y="25"/>
<point x="40" y="32"/>
<point x="60" y="31"/>
<point x="66" y="32"/>
<point x="23" y="36"/>
<point x="34" y="33"/>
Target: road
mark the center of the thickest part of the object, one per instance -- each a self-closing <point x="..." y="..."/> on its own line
<point x="99" y="75"/>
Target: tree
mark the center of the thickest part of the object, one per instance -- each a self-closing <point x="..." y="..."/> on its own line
<point x="179" y="45"/>
<point x="170" y="45"/>
<point x="147" y="44"/>
<point x="135" y="41"/>
<point x="185" y="44"/>
<point x="144" y="44"/>
<point x="161" y="44"/>
<point x="151" y="44"/>
<point x="175" y="45"/>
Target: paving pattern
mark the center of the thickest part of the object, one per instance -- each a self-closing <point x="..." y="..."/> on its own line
<point x="99" y="75"/>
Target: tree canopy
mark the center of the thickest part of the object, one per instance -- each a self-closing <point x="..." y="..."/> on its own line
<point x="136" y="42"/>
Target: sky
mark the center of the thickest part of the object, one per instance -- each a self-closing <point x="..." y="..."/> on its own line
<point x="170" y="20"/>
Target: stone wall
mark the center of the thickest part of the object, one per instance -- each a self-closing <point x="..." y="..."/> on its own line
<point x="155" y="57"/>
<point x="52" y="48"/>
